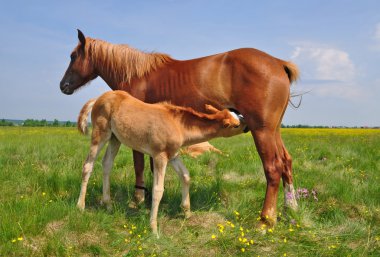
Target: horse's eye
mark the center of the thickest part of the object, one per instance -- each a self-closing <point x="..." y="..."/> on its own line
<point x="73" y="56"/>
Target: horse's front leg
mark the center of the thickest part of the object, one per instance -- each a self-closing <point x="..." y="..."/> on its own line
<point x="138" y="162"/>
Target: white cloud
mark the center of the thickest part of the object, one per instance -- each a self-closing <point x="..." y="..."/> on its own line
<point x="324" y="63"/>
<point x="351" y="92"/>
<point x="376" y="38"/>
<point x="377" y="32"/>
<point x="328" y="71"/>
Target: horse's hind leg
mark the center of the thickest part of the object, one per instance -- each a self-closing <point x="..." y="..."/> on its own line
<point x="287" y="176"/>
<point x="138" y="162"/>
<point x="184" y="176"/>
<point x="265" y="140"/>
<point x="108" y="159"/>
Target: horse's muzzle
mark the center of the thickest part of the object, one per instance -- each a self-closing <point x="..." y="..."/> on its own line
<point x="65" y="88"/>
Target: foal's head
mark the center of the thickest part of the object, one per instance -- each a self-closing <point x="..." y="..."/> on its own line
<point x="224" y="116"/>
<point x="80" y="70"/>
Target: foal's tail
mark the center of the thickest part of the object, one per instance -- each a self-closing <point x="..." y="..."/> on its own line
<point x="83" y="115"/>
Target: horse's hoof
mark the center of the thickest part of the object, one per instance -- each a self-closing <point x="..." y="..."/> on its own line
<point x="139" y="197"/>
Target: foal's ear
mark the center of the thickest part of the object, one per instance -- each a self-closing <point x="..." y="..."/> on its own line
<point x="227" y="123"/>
<point x="81" y="37"/>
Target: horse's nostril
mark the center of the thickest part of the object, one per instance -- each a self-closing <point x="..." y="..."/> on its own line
<point x="64" y="85"/>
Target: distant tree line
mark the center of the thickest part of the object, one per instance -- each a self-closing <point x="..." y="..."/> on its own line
<point x="302" y="126"/>
<point x="38" y="123"/>
<point x="4" y="122"/>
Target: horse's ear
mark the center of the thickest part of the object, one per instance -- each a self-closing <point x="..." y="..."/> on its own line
<point x="81" y="37"/>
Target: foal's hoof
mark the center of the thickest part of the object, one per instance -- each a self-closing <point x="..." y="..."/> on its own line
<point x="80" y="206"/>
<point x="153" y="226"/>
<point x="187" y="213"/>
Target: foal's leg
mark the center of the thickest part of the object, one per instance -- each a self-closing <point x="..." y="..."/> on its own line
<point x="112" y="149"/>
<point x="287" y="177"/>
<point x="87" y="170"/>
<point x="160" y="163"/>
<point x="138" y="162"/>
<point x="184" y="176"/>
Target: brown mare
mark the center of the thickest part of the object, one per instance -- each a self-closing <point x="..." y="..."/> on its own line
<point x="162" y="130"/>
<point x="250" y="81"/>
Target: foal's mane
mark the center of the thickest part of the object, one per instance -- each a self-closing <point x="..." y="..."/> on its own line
<point x="122" y="61"/>
<point x="190" y="111"/>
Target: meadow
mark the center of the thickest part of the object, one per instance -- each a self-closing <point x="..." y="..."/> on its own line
<point x="336" y="175"/>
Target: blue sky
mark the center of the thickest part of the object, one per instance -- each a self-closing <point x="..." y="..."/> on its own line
<point x="336" y="45"/>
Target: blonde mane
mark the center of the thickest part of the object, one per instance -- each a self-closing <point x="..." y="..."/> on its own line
<point x="188" y="110"/>
<point x="122" y="61"/>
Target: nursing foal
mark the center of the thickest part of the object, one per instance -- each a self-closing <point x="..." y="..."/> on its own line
<point x="155" y="129"/>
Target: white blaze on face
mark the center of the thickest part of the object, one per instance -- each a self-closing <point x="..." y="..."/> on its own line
<point x="237" y="117"/>
<point x="234" y="115"/>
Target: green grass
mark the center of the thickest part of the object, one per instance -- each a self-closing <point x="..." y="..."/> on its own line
<point x="40" y="175"/>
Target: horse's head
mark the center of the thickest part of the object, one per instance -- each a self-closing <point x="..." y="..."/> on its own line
<point x="80" y="70"/>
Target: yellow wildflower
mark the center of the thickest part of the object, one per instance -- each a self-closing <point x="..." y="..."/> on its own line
<point x="285" y="240"/>
<point x="270" y="230"/>
<point x="213" y="236"/>
<point x="20" y="238"/>
<point x="251" y="241"/>
<point x="291" y="230"/>
<point x="242" y="250"/>
<point x="236" y="213"/>
<point x="14" y="240"/>
<point x="43" y="193"/>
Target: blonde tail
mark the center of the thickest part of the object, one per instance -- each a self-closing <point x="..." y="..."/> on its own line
<point x="83" y="115"/>
<point x="292" y="70"/>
